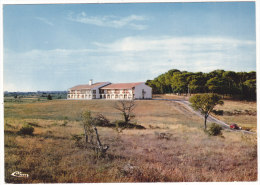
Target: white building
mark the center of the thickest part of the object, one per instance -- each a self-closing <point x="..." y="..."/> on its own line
<point x="126" y="91"/>
<point x="106" y="90"/>
<point x="86" y="91"/>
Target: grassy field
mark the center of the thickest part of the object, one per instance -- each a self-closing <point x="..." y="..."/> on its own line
<point x="243" y="113"/>
<point x="188" y="154"/>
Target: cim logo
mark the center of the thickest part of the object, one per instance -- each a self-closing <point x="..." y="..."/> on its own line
<point x="19" y="174"/>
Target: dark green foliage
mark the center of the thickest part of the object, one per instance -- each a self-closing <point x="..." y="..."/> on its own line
<point x="49" y="97"/>
<point x="218" y="112"/>
<point x="120" y="125"/>
<point x="214" y="130"/>
<point x="205" y="103"/>
<point x="235" y="84"/>
<point x="26" y="130"/>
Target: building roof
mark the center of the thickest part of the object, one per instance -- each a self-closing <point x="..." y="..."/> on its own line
<point x="122" y="85"/>
<point x="87" y="86"/>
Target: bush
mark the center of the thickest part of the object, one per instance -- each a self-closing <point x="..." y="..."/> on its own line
<point x="26" y="130"/>
<point x="214" y="130"/>
<point x="121" y="125"/>
<point x="218" y="112"/>
<point x="101" y="120"/>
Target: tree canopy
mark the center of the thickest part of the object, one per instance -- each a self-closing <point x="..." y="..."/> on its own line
<point x="205" y="103"/>
<point x="234" y="84"/>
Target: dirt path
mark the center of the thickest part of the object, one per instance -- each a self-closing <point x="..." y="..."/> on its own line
<point x="187" y="106"/>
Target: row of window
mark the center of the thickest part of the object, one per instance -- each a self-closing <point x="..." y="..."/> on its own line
<point x="82" y="96"/>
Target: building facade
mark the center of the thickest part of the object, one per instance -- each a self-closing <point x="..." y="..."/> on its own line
<point x="106" y="90"/>
<point x="87" y="91"/>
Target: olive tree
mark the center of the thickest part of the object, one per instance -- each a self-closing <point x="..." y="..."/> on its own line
<point x="205" y="103"/>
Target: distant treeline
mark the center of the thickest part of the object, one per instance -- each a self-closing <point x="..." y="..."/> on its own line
<point x="38" y="94"/>
<point x="235" y="84"/>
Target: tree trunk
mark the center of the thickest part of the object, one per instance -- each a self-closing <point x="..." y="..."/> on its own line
<point x="100" y="146"/>
<point x="205" y="122"/>
<point x="86" y="135"/>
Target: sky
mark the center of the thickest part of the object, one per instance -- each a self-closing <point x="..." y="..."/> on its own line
<point x="55" y="47"/>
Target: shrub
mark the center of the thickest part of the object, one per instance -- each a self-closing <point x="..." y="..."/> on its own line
<point x="218" y="112"/>
<point x="26" y="130"/>
<point x="214" y="130"/>
<point x="120" y="125"/>
<point x="101" y="120"/>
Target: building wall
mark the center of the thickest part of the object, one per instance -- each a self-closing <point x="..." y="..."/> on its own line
<point x="143" y="91"/>
<point x="140" y="91"/>
<point x="117" y="94"/>
<point x="87" y="94"/>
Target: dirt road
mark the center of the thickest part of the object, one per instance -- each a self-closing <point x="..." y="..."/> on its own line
<point x="187" y="105"/>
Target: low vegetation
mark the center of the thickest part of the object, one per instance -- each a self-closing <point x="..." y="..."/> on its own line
<point x="172" y="148"/>
<point x="214" y="130"/>
<point x="26" y="130"/>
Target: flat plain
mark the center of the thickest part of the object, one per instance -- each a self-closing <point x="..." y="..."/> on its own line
<point x="188" y="154"/>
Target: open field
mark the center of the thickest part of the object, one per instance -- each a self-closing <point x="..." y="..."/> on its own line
<point x="189" y="154"/>
<point x="243" y="113"/>
<point x="70" y="109"/>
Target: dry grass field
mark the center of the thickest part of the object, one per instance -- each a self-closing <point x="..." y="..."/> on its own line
<point x="186" y="155"/>
<point x="243" y="113"/>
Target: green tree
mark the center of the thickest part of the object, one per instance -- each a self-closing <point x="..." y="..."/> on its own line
<point x="197" y="83"/>
<point x="217" y="85"/>
<point x="87" y="122"/>
<point x="49" y="97"/>
<point x="249" y="89"/>
<point x="205" y="103"/>
<point x="180" y="83"/>
<point x="230" y="77"/>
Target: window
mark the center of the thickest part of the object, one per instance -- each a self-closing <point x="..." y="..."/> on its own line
<point x="94" y="91"/>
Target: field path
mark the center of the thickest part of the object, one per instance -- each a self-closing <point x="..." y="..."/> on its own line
<point x="187" y="105"/>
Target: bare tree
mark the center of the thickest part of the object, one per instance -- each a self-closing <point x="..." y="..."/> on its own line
<point x="126" y="108"/>
<point x="89" y="129"/>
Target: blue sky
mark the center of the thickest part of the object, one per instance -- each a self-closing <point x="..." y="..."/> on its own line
<point x="54" y="47"/>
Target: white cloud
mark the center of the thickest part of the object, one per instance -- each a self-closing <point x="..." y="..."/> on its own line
<point x="44" y="20"/>
<point x="111" y="21"/>
<point x="131" y="58"/>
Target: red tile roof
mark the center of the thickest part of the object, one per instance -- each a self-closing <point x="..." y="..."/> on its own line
<point x="87" y="86"/>
<point x="122" y="85"/>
